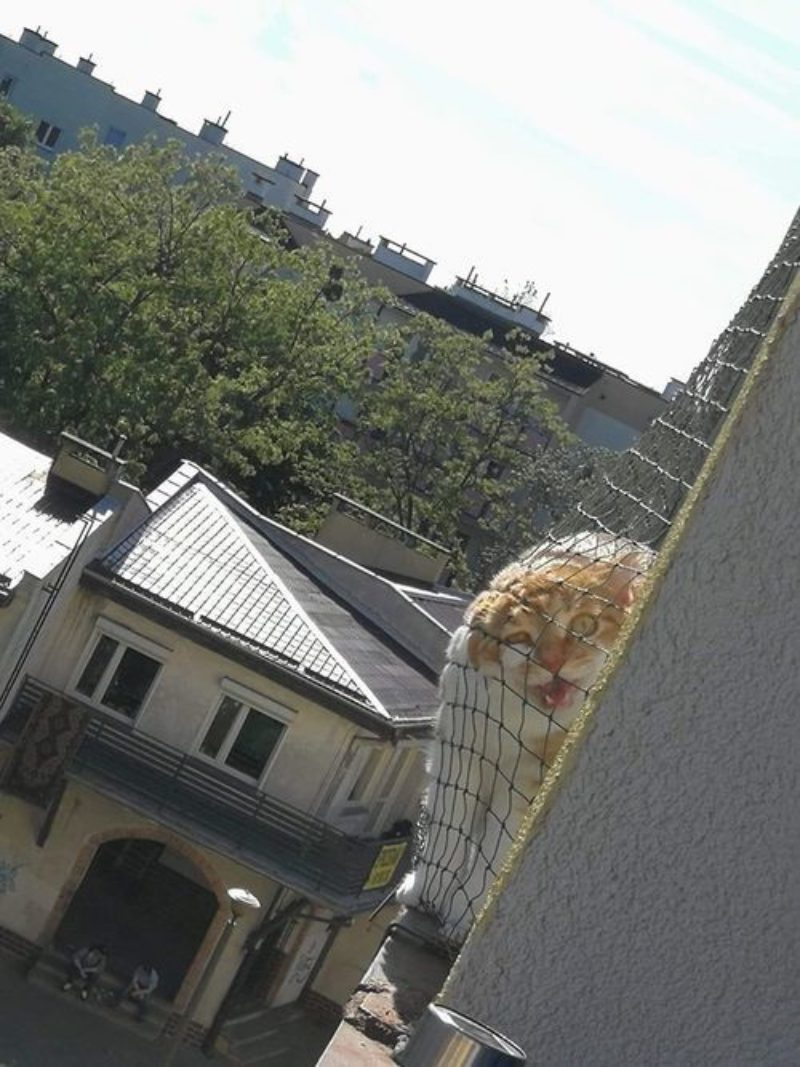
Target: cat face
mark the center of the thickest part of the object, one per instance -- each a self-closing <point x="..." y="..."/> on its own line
<point x="548" y="632"/>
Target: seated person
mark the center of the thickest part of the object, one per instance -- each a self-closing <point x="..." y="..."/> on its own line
<point x="85" y="967"/>
<point x="143" y="982"/>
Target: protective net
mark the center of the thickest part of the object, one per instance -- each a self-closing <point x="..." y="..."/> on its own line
<point x="534" y="643"/>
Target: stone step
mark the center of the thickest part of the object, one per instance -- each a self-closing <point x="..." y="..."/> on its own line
<point x="273" y="1036"/>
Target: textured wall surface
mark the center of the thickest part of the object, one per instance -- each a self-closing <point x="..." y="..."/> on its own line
<point x="654" y="916"/>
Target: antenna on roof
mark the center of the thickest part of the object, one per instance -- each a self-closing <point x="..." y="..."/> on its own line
<point x="225" y="120"/>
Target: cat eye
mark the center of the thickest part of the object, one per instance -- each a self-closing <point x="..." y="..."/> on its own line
<point x="519" y="637"/>
<point x="584" y="625"/>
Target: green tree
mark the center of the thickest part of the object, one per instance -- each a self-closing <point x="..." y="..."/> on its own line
<point x="452" y="430"/>
<point x="556" y="479"/>
<point x="136" y="298"/>
<point x="16" y="131"/>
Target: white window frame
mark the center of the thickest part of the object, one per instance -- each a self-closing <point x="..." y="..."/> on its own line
<point x="125" y="639"/>
<point x="391" y="757"/>
<point x="250" y="700"/>
<point x="43" y="142"/>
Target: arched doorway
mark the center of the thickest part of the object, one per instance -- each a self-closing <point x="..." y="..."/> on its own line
<point x="148" y="903"/>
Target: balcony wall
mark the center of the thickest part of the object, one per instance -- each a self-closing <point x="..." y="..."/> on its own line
<point x="216" y="809"/>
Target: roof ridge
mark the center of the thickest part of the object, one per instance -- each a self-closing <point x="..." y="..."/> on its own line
<point x="300" y="610"/>
<point x="190" y="483"/>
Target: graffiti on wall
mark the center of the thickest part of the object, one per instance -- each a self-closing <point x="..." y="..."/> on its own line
<point x="8" y="875"/>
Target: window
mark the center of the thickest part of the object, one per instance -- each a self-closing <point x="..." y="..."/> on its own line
<point x="364" y="780"/>
<point x="371" y="792"/>
<point x="6" y="85"/>
<point x="242" y="737"/>
<point x="115" y="137"/>
<point x="47" y="135"/>
<point x="118" y="676"/>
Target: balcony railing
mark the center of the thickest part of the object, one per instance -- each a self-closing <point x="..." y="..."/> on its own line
<point x="217" y="810"/>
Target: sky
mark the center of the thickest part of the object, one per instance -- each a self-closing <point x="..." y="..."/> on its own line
<point x="638" y="161"/>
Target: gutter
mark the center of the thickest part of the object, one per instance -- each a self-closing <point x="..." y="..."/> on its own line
<point x="93" y="578"/>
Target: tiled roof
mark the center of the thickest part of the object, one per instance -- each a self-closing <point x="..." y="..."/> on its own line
<point x="445" y="608"/>
<point x="405" y="691"/>
<point x="194" y="556"/>
<point x="37" y="531"/>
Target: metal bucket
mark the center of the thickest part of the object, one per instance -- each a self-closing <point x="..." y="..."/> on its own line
<point x="446" y="1038"/>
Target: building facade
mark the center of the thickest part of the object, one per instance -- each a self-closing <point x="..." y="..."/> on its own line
<point x="602" y="406"/>
<point x="63" y="100"/>
<point x="206" y="701"/>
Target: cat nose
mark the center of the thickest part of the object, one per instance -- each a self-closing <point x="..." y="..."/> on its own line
<point x="552" y="659"/>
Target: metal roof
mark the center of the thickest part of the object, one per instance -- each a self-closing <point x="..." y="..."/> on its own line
<point x="201" y="556"/>
<point x="38" y="526"/>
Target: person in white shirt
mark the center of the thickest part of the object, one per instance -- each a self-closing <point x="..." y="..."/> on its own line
<point x="142" y="984"/>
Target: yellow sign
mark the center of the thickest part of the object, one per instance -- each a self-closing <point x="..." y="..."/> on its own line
<point x="385" y="865"/>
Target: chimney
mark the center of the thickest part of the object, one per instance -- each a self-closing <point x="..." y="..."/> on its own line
<point x="151" y="100"/>
<point x="372" y="540"/>
<point x="289" y="169"/>
<point x="86" y="65"/>
<point x="37" y="42"/>
<point x="214" y="132"/>
<point x="84" y="469"/>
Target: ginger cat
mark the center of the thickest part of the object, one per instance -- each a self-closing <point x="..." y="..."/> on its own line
<point x="531" y="646"/>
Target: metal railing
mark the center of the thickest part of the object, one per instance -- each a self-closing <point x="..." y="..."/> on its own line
<point x="216" y="809"/>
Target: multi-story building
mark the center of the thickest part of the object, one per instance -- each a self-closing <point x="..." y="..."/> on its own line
<point x="603" y="406"/>
<point x="63" y="100"/>
<point x="196" y="699"/>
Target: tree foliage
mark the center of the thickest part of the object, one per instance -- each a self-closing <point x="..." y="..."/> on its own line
<point x="16" y="131"/>
<point x="452" y="429"/>
<point x="556" y="479"/>
<point x="137" y="298"/>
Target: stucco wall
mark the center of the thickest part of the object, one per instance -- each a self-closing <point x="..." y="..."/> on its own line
<point x="45" y="878"/>
<point x="350" y="956"/>
<point x="654" y="915"/>
<point x="49" y="89"/>
<point x="188" y="689"/>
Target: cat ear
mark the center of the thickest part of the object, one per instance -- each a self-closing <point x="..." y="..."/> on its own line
<point x="626" y="577"/>
<point x="482" y="648"/>
<point x="484" y="618"/>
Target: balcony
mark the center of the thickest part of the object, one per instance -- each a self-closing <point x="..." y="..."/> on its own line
<point x="216" y="810"/>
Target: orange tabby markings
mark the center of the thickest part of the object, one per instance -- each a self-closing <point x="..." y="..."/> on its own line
<point x="531" y="646"/>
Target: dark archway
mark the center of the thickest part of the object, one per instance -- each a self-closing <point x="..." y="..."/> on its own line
<point x="147" y="903"/>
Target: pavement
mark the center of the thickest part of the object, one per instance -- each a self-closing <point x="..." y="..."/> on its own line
<point x="40" y="1028"/>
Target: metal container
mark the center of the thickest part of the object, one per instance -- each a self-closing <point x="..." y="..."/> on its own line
<point x="446" y="1038"/>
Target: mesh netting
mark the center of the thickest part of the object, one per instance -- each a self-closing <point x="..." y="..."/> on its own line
<point x="534" y="642"/>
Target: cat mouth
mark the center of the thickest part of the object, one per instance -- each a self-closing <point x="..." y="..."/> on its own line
<point x="555" y="694"/>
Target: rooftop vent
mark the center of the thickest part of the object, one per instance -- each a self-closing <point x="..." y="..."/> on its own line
<point x="86" y="65"/>
<point x="510" y="309"/>
<point x="83" y="468"/>
<point x="37" y="42"/>
<point x="403" y="259"/>
<point x="151" y="100"/>
<point x="214" y="132"/>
